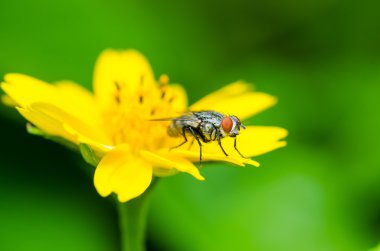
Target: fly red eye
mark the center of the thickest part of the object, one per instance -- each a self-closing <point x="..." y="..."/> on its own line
<point x="227" y="124"/>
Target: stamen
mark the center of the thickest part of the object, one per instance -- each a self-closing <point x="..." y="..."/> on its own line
<point x="171" y="99"/>
<point x="142" y="78"/>
<point x="163" y="92"/>
<point x="117" y="94"/>
<point x="128" y="124"/>
<point x="117" y="85"/>
<point x="164" y="79"/>
<point x="117" y="98"/>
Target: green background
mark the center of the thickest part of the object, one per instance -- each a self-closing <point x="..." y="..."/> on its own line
<point x="320" y="58"/>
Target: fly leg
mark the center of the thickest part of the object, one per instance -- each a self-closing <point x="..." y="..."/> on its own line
<point x="184" y="136"/>
<point x="238" y="150"/>
<point x="220" y="142"/>
<point x="191" y="144"/>
<point x="199" y="143"/>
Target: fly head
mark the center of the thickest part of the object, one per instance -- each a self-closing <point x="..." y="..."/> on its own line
<point x="231" y="125"/>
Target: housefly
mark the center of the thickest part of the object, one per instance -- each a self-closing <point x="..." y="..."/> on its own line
<point x="205" y="126"/>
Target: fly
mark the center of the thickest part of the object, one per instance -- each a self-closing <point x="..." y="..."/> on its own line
<point x="205" y="126"/>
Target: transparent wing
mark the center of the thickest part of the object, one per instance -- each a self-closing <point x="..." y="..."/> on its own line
<point x="186" y="117"/>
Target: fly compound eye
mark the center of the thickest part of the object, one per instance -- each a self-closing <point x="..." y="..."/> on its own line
<point x="227" y="124"/>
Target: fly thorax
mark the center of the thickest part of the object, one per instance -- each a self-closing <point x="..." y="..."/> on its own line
<point x="207" y="130"/>
<point x="223" y="133"/>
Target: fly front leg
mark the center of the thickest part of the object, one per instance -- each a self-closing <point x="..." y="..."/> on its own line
<point x="184" y="136"/>
<point x="238" y="150"/>
<point x="220" y="142"/>
<point x="194" y="133"/>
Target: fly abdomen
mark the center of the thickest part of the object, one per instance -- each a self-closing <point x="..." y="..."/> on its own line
<point x="174" y="130"/>
<point x="182" y="124"/>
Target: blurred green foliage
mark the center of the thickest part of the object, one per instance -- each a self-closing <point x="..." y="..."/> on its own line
<point x="321" y="58"/>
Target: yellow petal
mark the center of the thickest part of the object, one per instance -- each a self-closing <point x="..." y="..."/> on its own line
<point x="73" y="125"/>
<point x="209" y="154"/>
<point x="7" y="100"/>
<point x="56" y="123"/>
<point x="78" y="101"/>
<point x="68" y="96"/>
<point x="122" y="173"/>
<point x="164" y="172"/>
<point x="178" y="97"/>
<point x="169" y="161"/>
<point x="228" y="91"/>
<point x="241" y="102"/>
<point x="253" y="141"/>
<point x="25" y="90"/>
<point x="46" y="123"/>
<point x="257" y="140"/>
<point x="120" y="70"/>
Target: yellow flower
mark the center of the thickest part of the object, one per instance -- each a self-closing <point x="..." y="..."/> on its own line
<point x="115" y="122"/>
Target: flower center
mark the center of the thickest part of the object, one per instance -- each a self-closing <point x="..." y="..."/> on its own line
<point x="129" y="119"/>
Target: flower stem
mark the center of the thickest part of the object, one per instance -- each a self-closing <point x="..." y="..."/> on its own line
<point x="132" y="221"/>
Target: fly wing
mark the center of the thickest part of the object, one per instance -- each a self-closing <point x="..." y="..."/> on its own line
<point x="162" y="119"/>
<point x="171" y="118"/>
<point x="188" y="119"/>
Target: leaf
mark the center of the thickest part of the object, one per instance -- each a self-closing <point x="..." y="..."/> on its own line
<point x="38" y="132"/>
<point x="88" y="154"/>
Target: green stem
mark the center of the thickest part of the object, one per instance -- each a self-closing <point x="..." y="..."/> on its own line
<point x="132" y="221"/>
